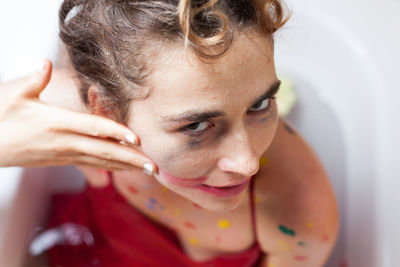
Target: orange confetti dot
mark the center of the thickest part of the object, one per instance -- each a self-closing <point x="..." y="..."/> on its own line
<point x="309" y="224"/>
<point x="256" y="199"/>
<point x="263" y="161"/>
<point x="177" y="211"/>
<point x="193" y="241"/>
<point x="165" y="190"/>
<point x="271" y="265"/>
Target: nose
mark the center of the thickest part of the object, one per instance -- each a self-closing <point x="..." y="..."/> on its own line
<point x="239" y="156"/>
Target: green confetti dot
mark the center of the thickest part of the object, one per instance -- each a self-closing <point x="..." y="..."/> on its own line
<point x="301" y="243"/>
<point x="286" y="231"/>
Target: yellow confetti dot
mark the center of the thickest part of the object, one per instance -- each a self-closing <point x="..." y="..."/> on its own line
<point x="263" y="161"/>
<point x="271" y="265"/>
<point x="284" y="245"/>
<point x="309" y="225"/>
<point x="165" y="190"/>
<point x="177" y="211"/>
<point x="256" y="199"/>
<point x="193" y="241"/>
<point x="224" y="224"/>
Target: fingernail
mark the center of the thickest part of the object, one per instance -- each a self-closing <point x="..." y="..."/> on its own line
<point x="131" y="138"/>
<point x="148" y="168"/>
<point x="42" y="67"/>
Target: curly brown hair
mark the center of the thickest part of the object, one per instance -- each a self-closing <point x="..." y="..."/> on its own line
<point x="109" y="41"/>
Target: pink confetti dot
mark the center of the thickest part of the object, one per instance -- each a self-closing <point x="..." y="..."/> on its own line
<point x="324" y="238"/>
<point x="190" y="225"/>
<point x="132" y="189"/>
<point x="300" y="257"/>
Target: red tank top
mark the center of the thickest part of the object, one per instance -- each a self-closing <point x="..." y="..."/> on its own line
<point x="125" y="237"/>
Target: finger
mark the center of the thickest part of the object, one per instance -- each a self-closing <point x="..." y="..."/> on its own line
<point x="38" y="81"/>
<point x="94" y="125"/>
<point x="108" y="150"/>
<point x="103" y="163"/>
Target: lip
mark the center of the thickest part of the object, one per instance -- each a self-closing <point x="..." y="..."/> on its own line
<point x="185" y="182"/>
<point x="228" y="191"/>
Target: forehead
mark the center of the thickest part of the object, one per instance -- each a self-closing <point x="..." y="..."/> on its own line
<point x="179" y="78"/>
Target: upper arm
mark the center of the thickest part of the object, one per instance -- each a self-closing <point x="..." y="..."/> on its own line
<point x="297" y="216"/>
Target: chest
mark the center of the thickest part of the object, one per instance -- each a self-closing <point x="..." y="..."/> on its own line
<point x="202" y="234"/>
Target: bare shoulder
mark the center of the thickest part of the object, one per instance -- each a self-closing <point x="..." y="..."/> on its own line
<point x="296" y="206"/>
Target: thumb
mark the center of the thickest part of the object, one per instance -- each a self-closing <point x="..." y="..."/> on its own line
<point x="38" y="81"/>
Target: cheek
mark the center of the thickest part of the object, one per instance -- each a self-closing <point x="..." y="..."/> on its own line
<point x="263" y="136"/>
<point x="175" y="157"/>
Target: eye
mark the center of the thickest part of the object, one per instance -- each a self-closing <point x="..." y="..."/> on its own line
<point x="196" y="128"/>
<point x="261" y="106"/>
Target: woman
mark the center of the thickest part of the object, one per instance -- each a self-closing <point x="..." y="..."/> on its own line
<point x="234" y="185"/>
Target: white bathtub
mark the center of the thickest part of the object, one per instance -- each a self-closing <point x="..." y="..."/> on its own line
<point x="342" y="58"/>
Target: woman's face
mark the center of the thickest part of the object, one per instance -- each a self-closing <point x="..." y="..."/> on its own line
<point x="206" y="125"/>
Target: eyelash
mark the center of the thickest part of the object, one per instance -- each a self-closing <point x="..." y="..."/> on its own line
<point x="199" y="133"/>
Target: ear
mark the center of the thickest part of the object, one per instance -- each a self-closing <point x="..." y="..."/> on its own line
<point x="96" y="105"/>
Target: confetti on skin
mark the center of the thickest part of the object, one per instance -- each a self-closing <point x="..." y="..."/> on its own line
<point x="300" y="257"/>
<point x="190" y="225"/>
<point x="132" y="189"/>
<point x="224" y="224"/>
<point x="324" y="238"/>
<point x="152" y="203"/>
<point x="284" y="245"/>
<point x="256" y="200"/>
<point x="301" y="243"/>
<point x="271" y="265"/>
<point x="286" y="231"/>
<point x="177" y="212"/>
<point x="263" y="161"/>
<point x="193" y="241"/>
<point x="165" y="190"/>
<point x="150" y="206"/>
<point x="309" y="224"/>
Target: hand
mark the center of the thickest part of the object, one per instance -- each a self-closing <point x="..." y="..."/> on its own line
<point x="35" y="134"/>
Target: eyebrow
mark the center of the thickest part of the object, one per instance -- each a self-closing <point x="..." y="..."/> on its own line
<point x="196" y="115"/>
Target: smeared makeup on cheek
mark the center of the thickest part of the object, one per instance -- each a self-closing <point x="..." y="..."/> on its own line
<point x="218" y="136"/>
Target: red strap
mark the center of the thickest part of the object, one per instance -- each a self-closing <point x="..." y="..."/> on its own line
<point x="252" y="208"/>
